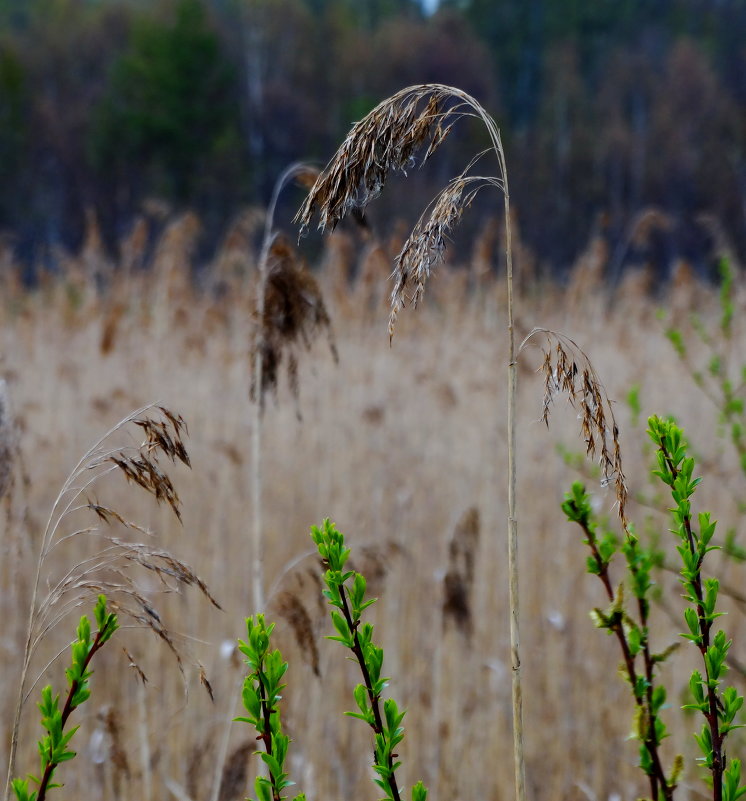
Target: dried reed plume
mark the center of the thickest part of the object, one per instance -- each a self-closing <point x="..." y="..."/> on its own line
<point x="426" y="245"/>
<point x="639" y="234"/>
<point x="375" y="561"/>
<point x="110" y="326"/>
<point x="7" y="441"/>
<point x="459" y="579"/>
<point x="288" y="310"/>
<point x="108" y="567"/>
<point x="291" y="608"/>
<point x="294" y="313"/>
<point x="567" y="369"/>
<point x="419" y="119"/>
<point x="386" y="140"/>
<point x="234" y="776"/>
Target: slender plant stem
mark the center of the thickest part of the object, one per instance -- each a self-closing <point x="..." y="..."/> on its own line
<point x="374" y="699"/>
<point x="705" y="626"/>
<point x="257" y="572"/>
<point x="67" y="711"/>
<point x="144" y="750"/>
<point x="258" y="597"/>
<point x="658" y="777"/>
<point x="256" y="447"/>
<point x="222" y="753"/>
<point x="358" y="161"/>
<point x="266" y="735"/>
<point x="515" y="640"/>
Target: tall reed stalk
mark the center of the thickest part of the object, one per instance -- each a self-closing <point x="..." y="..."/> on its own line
<point x="282" y="311"/>
<point x="386" y="140"/>
<point x="257" y="380"/>
<point x="257" y="572"/>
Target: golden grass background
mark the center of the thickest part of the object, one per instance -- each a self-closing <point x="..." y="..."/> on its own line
<point x="396" y="445"/>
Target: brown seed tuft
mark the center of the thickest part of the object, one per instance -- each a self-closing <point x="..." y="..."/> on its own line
<point x="110" y="327"/>
<point x="164" y="565"/>
<point x="235" y="773"/>
<point x="165" y="435"/>
<point x="385" y="141"/>
<point x="162" y="437"/>
<point x="204" y="681"/>
<point x="133" y="664"/>
<point x="294" y="311"/>
<point x="374" y="414"/>
<point x="148" y="618"/>
<point x="145" y="473"/>
<point x="198" y="762"/>
<point x="306" y="175"/>
<point x="110" y="718"/>
<point x="567" y="369"/>
<point x="106" y="514"/>
<point x="426" y="245"/>
<point x="291" y="609"/>
<point x="374" y="562"/>
<point x="459" y="580"/>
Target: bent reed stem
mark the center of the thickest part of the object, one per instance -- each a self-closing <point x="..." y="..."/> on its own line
<point x="292" y="171"/>
<point x="515" y="640"/>
<point x="385" y="140"/>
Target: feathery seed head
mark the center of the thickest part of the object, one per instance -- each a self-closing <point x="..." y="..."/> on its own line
<point x="294" y="311"/>
<point x="383" y="141"/>
<point x="567" y="369"/>
<point x="386" y="141"/>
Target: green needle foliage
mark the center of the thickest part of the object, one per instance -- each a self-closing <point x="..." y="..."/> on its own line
<point x="345" y="592"/>
<point x="717" y="704"/>
<point x="53" y="747"/>
<point x="262" y="689"/>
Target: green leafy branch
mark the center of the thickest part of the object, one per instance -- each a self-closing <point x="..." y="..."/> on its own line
<point x="632" y="635"/>
<point x="53" y="748"/>
<point x="261" y="695"/>
<point x="718" y="706"/>
<point x="345" y="592"/>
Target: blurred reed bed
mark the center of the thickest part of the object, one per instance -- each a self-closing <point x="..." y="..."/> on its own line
<point x="397" y="447"/>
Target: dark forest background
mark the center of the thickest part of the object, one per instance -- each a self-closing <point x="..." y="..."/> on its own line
<point x="609" y="110"/>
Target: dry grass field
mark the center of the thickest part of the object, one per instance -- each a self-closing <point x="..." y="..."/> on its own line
<point x="401" y="446"/>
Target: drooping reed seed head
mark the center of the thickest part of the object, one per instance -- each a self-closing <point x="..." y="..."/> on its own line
<point x="459" y="579"/>
<point x="386" y="141"/>
<point x="294" y="312"/>
<point x="567" y="369"/>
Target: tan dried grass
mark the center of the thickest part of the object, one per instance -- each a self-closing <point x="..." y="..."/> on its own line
<point x="368" y="457"/>
<point x="104" y="569"/>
